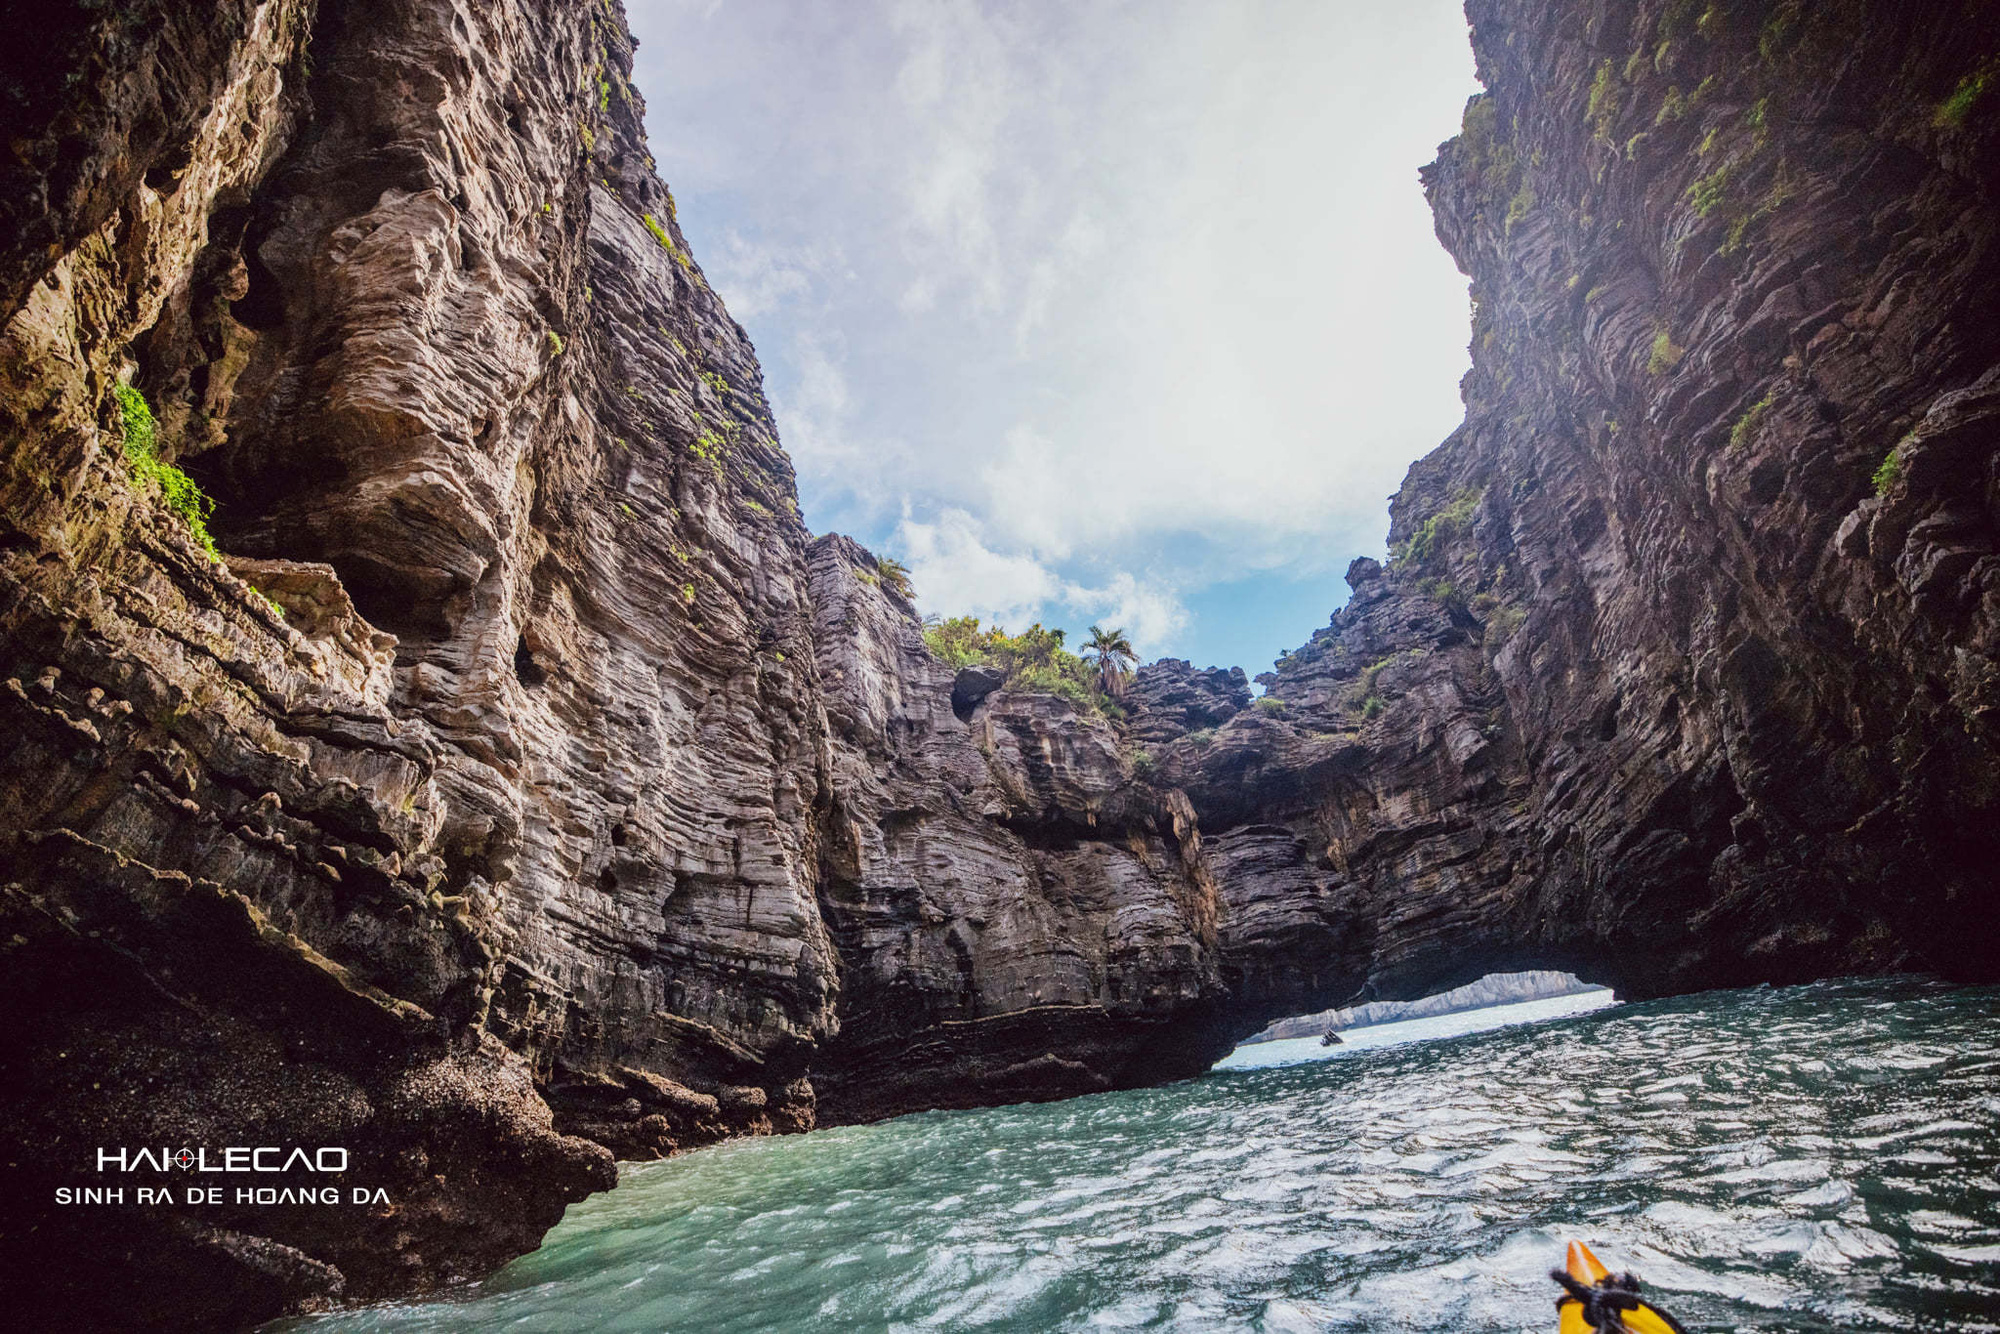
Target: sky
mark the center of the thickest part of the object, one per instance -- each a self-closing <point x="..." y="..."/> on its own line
<point x="1124" y="312"/>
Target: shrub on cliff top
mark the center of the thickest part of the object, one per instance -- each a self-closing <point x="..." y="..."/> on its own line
<point x="1110" y="654"/>
<point x="1476" y="126"/>
<point x="680" y="256"/>
<point x="1034" y="660"/>
<point x="895" y="577"/>
<point x="179" y="490"/>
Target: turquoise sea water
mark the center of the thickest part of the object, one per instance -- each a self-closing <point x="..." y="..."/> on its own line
<point x="1812" y="1158"/>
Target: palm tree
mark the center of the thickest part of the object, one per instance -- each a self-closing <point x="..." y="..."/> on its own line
<point x="1112" y="653"/>
<point x="895" y="577"/>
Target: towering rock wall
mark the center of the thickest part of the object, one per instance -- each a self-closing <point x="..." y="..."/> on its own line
<point x="478" y="776"/>
<point x="1682" y="673"/>
<point x="517" y="784"/>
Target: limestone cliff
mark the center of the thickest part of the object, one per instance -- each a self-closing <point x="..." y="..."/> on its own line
<point x="479" y="776"/>
<point x="1018" y="913"/>
<point x="1683" y="671"/>
<point x="516" y="783"/>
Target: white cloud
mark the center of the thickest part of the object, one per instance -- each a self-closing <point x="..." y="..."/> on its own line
<point x="954" y="570"/>
<point x="919" y="297"/>
<point x="959" y="89"/>
<point x="1149" y="613"/>
<point x="957" y="573"/>
<point x="815" y="407"/>
<point x="1120" y="299"/>
<point x="755" y="279"/>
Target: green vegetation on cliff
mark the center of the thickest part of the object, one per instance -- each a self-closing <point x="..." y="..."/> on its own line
<point x="1110" y="654"/>
<point x="1666" y="353"/>
<point x="1744" y="432"/>
<point x="1035" y="660"/>
<point x="1438" y="529"/>
<point x="1954" y="111"/>
<point x="1889" y="471"/>
<point x="178" y="489"/>
<point x="895" y="576"/>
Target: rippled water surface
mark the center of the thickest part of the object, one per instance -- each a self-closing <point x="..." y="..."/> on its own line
<point x="1815" y="1158"/>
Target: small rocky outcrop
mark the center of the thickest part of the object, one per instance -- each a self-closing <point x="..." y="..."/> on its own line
<point x="1169" y="698"/>
<point x="972" y="685"/>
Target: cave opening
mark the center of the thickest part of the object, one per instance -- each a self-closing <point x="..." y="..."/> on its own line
<point x="526" y="670"/>
<point x="1496" y="1000"/>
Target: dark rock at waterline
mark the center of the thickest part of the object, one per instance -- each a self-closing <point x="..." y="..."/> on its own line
<point x="577" y="800"/>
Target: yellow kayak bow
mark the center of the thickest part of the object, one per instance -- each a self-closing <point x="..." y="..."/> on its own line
<point x="1596" y="1301"/>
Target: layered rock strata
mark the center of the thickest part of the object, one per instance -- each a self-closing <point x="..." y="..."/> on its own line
<point x="1017" y="912"/>
<point x="478" y="779"/>
<point x="1680" y="673"/>
<point x="518" y="784"/>
<point x="1683" y="671"/>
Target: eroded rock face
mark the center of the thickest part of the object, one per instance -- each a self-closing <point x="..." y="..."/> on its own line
<point x="1169" y="698"/>
<point x="1017" y="915"/>
<point x="1659" y="689"/>
<point x="1666" y="684"/>
<point x="482" y="777"/>
<point x="522" y="786"/>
